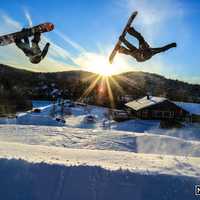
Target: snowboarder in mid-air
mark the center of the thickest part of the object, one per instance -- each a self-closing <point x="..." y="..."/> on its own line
<point x="141" y="54"/>
<point x="21" y="39"/>
<point x="32" y="50"/>
<point x="144" y="52"/>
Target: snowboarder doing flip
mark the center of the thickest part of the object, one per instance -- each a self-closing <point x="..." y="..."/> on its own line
<point x="32" y="50"/>
<point x="141" y="54"/>
<point x="21" y="39"/>
<point x="144" y="52"/>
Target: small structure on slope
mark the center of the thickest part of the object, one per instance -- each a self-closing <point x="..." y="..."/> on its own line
<point x="160" y="108"/>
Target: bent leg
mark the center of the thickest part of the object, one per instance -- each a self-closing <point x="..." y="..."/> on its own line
<point x="26" y="41"/>
<point x="128" y="44"/>
<point x="37" y="38"/>
<point x="142" y="43"/>
<point x="35" y="44"/>
<point x="20" y="44"/>
<point x="23" y="46"/>
<point x="162" y="49"/>
<point x="124" y="51"/>
<point x="35" y="48"/>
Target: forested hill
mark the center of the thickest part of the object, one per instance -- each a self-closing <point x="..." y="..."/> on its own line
<point x="74" y="83"/>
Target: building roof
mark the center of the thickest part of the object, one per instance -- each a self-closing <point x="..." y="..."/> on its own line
<point x="145" y="102"/>
<point x="192" y="108"/>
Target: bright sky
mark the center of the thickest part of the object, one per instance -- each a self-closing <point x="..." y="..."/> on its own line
<point x="86" y="32"/>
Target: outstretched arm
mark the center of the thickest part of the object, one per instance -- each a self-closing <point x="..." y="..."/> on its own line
<point x="162" y="49"/>
<point x="45" y="50"/>
<point x="37" y="38"/>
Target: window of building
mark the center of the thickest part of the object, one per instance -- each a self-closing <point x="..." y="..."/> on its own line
<point x="163" y="114"/>
<point x="168" y="114"/>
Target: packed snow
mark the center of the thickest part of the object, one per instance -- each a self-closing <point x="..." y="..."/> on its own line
<point x="55" y="152"/>
<point x="99" y="139"/>
<point x="112" y="160"/>
<point x="39" y="172"/>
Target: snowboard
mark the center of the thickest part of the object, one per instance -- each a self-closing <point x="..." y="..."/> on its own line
<point x="28" y="32"/>
<point x="114" y="52"/>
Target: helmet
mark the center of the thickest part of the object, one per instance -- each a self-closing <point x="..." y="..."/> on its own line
<point x="35" y="59"/>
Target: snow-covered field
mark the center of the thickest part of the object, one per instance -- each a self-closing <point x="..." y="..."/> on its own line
<point x="41" y="158"/>
<point x="191" y="131"/>
<point x="39" y="172"/>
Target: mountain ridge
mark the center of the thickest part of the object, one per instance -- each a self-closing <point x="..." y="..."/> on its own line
<point x="74" y="83"/>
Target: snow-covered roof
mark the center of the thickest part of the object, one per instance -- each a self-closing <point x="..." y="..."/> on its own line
<point x="145" y="102"/>
<point x="193" y="108"/>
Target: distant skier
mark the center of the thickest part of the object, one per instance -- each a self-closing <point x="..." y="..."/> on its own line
<point x="144" y="52"/>
<point x="32" y="51"/>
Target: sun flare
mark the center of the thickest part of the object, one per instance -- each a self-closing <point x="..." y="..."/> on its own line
<point x="103" y="82"/>
<point x="99" y="64"/>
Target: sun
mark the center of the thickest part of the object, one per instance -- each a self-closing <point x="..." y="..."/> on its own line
<point x="99" y="64"/>
<point x="104" y="82"/>
<point x="102" y="67"/>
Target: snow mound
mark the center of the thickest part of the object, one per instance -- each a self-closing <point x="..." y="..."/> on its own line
<point x="38" y="172"/>
<point x="99" y="139"/>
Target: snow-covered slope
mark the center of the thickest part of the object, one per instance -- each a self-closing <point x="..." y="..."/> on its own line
<point x="112" y="160"/>
<point x="39" y="172"/>
<point x="99" y="139"/>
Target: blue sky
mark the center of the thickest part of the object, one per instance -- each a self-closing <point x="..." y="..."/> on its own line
<point x="86" y="29"/>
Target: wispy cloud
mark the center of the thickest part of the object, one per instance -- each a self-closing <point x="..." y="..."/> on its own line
<point x="10" y="22"/>
<point x="56" y="51"/>
<point x="157" y="11"/>
<point x="28" y="17"/>
<point x="70" y="41"/>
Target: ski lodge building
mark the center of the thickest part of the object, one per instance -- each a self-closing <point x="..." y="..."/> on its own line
<point x="161" y="108"/>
